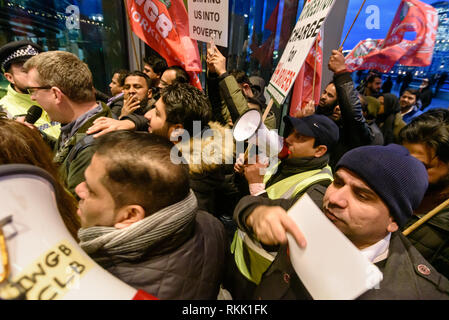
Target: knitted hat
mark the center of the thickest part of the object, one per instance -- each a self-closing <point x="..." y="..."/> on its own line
<point x="398" y="178"/>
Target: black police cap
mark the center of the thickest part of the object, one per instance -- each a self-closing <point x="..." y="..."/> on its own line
<point x="13" y="51"/>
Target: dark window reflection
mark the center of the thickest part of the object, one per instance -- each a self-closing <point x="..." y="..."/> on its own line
<point x="91" y="29"/>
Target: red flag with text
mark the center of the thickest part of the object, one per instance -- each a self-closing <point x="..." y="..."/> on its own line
<point x="165" y="28"/>
<point x="412" y="16"/>
<point x="304" y="89"/>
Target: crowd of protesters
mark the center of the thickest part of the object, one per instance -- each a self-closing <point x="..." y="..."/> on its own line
<point x="153" y="191"/>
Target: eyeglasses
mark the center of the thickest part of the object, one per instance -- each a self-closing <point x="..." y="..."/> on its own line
<point x="32" y="90"/>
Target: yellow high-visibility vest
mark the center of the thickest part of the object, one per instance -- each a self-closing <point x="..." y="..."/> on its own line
<point x="250" y="257"/>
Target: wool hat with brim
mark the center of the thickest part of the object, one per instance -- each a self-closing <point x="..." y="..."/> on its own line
<point x="397" y="177"/>
<point x="320" y="127"/>
<point x="17" y="51"/>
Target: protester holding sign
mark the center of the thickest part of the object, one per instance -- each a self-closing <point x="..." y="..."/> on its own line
<point x="341" y="103"/>
<point x="237" y="96"/>
<point x="374" y="193"/>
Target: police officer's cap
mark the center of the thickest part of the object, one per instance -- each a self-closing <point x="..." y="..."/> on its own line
<point x="17" y="51"/>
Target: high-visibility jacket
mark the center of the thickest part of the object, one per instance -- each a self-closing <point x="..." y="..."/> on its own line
<point x="250" y="257"/>
<point x="17" y="104"/>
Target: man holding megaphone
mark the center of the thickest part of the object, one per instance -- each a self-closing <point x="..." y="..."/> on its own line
<point x="304" y="170"/>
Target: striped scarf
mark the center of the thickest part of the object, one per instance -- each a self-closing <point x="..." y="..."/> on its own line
<point x="131" y="243"/>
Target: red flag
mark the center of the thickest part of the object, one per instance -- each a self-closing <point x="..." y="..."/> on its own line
<point x="264" y="53"/>
<point x="412" y="16"/>
<point x="165" y="28"/>
<point x="303" y="90"/>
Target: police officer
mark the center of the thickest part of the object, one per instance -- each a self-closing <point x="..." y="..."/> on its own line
<point x="17" y="101"/>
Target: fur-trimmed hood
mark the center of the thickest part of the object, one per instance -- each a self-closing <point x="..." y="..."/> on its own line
<point x="207" y="152"/>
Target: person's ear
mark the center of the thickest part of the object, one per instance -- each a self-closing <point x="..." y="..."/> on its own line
<point x="176" y="130"/>
<point x="128" y="215"/>
<point x="320" y="151"/>
<point x="57" y="94"/>
<point x="150" y="93"/>
<point x="9" y="77"/>
<point x="247" y="90"/>
<point x="392" y="225"/>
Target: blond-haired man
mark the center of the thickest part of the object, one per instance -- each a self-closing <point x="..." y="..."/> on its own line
<point x="62" y="84"/>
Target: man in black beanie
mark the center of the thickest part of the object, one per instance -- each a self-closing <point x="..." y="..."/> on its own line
<point x="374" y="193"/>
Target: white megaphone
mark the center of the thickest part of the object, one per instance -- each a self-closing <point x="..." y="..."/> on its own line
<point x="250" y="127"/>
<point x="39" y="259"/>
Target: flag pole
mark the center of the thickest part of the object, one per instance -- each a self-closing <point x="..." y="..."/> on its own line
<point x="131" y="35"/>
<point x="347" y="34"/>
<point x="314" y="70"/>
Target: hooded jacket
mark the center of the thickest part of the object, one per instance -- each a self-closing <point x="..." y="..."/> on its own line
<point x="207" y="156"/>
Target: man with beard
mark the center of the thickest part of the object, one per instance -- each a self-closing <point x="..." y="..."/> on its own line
<point x="137" y="94"/>
<point x="374" y="193"/>
<point x="427" y="138"/>
<point x="17" y="101"/>
<point x="171" y="75"/>
<point x="140" y="220"/>
<point x="373" y="86"/>
<point x="410" y="104"/>
<point x="183" y="115"/>
<point x="340" y="102"/>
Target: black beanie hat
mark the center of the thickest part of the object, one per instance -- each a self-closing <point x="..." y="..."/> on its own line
<point x="398" y="178"/>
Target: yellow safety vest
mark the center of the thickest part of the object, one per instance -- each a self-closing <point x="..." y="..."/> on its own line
<point x="17" y="104"/>
<point x="250" y="257"/>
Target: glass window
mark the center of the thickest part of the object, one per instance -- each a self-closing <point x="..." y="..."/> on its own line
<point x="94" y="30"/>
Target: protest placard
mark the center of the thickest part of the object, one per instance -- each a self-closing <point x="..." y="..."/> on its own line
<point x="209" y="19"/>
<point x="298" y="47"/>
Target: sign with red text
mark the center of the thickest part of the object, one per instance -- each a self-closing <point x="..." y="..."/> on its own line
<point x="298" y="47"/>
<point x="209" y="19"/>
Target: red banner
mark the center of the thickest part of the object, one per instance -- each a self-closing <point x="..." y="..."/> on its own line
<point x="165" y="28"/>
<point x="303" y="90"/>
<point x="412" y="16"/>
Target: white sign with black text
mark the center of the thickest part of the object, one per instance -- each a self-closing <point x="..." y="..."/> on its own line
<point x="209" y="19"/>
<point x="301" y="40"/>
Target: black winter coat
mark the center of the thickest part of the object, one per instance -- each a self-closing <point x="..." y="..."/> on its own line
<point x="432" y="240"/>
<point x="189" y="265"/>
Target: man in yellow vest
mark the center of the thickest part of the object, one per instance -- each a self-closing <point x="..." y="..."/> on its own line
<point x="17" y="101"/>
<point x="305" y="170"/>
<point x="308" y="142"/>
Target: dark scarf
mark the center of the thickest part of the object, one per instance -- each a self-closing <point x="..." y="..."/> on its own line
<point x="293" y="166"/>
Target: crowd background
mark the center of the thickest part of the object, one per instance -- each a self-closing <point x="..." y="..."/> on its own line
<point x="207" y="230"/>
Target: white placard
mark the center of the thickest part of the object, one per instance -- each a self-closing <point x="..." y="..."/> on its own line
<point x="301" y="40"/>
<point x="209" y="18"/>
<point x="330" y="267"/>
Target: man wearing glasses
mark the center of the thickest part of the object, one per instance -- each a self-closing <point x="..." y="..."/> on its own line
<point x="17" y="101"/>
<point x="62" y="84"/>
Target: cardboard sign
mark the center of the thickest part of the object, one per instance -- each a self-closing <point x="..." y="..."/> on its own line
<point x="209" y="19"/>
<point x="301" y="40"/>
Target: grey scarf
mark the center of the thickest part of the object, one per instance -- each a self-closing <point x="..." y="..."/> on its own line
<point x="131" y="242"/>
